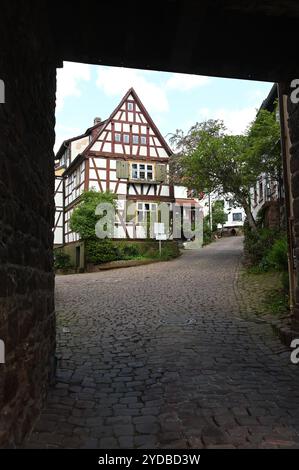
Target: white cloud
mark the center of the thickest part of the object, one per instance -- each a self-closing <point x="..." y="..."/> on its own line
<point x="69" y="79"/>
<point x="184" y="82"/>
<point x="116" y="81"/>
<point x="236" y="120"/>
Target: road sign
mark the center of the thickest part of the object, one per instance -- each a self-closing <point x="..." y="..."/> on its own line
<point x="161" y="236"/>
<point x="159" y="228"/>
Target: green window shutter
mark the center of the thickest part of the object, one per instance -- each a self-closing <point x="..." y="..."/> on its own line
<point x="161" y="173"/>
<point x="122" y="169"/>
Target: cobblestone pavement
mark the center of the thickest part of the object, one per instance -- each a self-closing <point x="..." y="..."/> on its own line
<point x="160" y="356"/>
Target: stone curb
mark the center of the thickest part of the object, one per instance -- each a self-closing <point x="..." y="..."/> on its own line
<point x="285" y="332"/>
<point x="114" y="265"/>
<point x="120" y="264"/>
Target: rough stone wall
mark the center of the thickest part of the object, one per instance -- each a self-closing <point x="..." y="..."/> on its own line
<point x="272" y="215"/>
<point x="293" y="111"/>
<point x="27" y="322"/>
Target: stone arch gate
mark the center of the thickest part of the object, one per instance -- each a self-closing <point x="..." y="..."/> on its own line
<point x="247" y="40"/>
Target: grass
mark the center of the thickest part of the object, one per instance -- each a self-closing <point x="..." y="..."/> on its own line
<point x="277" y="302"/>
<point x="262" y="292"/>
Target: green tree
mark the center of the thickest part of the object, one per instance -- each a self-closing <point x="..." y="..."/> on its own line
<point x="209" y="160"/>
<point x="83" y="219"/>
<point x="264" y="143"/>
<point x="218" y="214"/>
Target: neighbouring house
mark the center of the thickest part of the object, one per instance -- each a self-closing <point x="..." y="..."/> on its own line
<point x="59" y="207"/>
<point x="235" y="219"/>
<point x="127" y="155"/>
<point x="267" y="196"/>
<point x="235" y="215"/>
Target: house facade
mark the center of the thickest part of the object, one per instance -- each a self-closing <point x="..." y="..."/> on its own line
<point x="235" y="219"/>
<point x="267" y="196"/>
<point x="235" y="215"/>
<point x="127" y="155"/>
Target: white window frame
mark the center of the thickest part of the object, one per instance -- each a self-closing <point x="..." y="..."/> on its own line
<point x="146" y="168"/>
<point x="130" y="106"/>
<point x="143" y="140"/>
<point x="135" y="139"/>
<point x="141" y="208"/>
<point x="117" y="137"/>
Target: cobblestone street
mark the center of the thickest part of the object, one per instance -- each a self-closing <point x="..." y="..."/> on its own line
<point x="161" y="356"/>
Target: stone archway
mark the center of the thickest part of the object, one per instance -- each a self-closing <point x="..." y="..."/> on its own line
<point x="35" y="37"/>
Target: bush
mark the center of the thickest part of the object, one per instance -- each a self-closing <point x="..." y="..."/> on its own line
<point x="207" y="232"/>
<point x="168" y="251"/>
<point x="61" y="260"/>
<point x="268" y="249"/>
<point x="102" y="251"/>
<point x="129" y="251"/>
<point x="257" y="245"/>
<point x="84" y="218"/>
<point x="277" y="256"/>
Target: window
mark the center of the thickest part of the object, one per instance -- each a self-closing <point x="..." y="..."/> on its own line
<point x="143" y="140"/>
<point x="149" y="172"/>
<point x="117" y="137"/>
<point x="142" y="171"/>
<point x="130" y="106"/>
<point x="126" y="138"/>
<point x="130" y="212"/>
<point x="135" y="173"/>
<point x="135" y="139"/>
<point x="261" y="191"/>
<point x="268" y="189"/>
<point x="78" y="177"/>
<point x="145" y="211"/>
<point x="255" y="196"/>
<point x="237" y="217"/>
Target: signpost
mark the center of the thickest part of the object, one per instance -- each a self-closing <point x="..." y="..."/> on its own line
<point x="159" y="231"/>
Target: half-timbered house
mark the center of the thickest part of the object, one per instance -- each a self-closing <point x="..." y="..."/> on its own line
<point x="125" y="154"/>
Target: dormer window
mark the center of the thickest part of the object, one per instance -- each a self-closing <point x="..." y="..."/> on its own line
<point x="117" y="137"/>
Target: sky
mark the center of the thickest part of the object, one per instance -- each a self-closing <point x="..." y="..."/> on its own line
<point x="174" y="101"/>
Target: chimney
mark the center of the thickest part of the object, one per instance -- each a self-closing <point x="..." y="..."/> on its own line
<point x="97" y="120"/>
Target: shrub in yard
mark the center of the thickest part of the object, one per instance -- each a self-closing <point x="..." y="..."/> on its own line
<point x="207" y="232"/>
<point x="169" y="251"/>
<point x="258" y="243"/>
<point x="277" y="256"/>
<point x="151" y="251"/>
<point x="102" y="251"/>
<point x="84" y="218"/>
<point x="61" y="260"/>
<point x="129" y="250"/>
